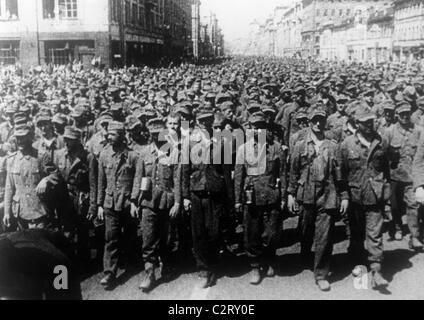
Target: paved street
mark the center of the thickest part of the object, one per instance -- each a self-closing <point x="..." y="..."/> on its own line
<point x="402" y="267"/>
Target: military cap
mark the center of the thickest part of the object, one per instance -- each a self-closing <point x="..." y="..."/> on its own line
<point x="156" y="125"/>
<point x="222" y="97"/>
<point x="72" y="133"/>
<point x="317" y="112"/>
<point x="79" y="111"/>
<point x="342" y="98"/>
<point x="301" y="115"/>
<point x="257" y="117"/>
<point x="183" y="110"/>
<point x="403" y="106"/>
<point x="369" y="92"/>
<point x="227" y="105"/>
<point x="20" y="119"/>
<point x="116" y="107"/>
<point x="420" y="101"/>
<point x="11" y="108"/>
<point x="105" y="118"/>
<point x="24" y="108"/>
<point x="267" y="109"/>
<point x="364" y="113"/>
<point x="204" y="113"/>
<point x="392" y="87"/>
<point x="388" y="105"/>
<point x="43" y="118"/>
<point x="299" y="90"/>
<point x="254" y="107"/>
<point x="60" y="119"/>
<point x="219" y="121"/>
<point x="116" y="126"/>
<point x="22" y="130"/>
<point x="132" y="122"/>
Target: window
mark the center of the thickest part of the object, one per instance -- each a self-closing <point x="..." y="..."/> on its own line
<point x="49" y="9"/>
<point x="127" y="12"/>
<point x="9" y="52"/>
<point x="340" y="12"/>
<point x="333" y="12"/>
<point x="325" y="13"/>
<point x="68" y="9"/>
<point x="115" y="10"/>
<point x="134" y="13"/>
<point x="141" y="14"/>
<point x="9" y="9"/>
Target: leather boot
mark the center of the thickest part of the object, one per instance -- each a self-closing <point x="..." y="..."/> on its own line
<point x="255" y="276"/>
<point x="148" y="280"/>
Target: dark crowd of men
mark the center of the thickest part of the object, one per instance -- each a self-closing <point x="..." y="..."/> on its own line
<point x="82" y="153"/>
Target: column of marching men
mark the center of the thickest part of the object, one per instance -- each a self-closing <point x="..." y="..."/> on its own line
<point x="109" y="158"/>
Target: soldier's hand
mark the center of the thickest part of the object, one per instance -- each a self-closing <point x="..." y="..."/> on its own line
<point x="187" y="205"/>
<point x="292" y="205"/>
<point x="100" y="214"/>
<point x="134" y="211"/>
<point x="175" y="210"/>
<point x="283" y="204"/>
<point x="420" y="195"/>
<point x="238" y="207"/>
<point x="344" y="206"/>
<point x="42" y="187"/>
<point x="6" y="221"/>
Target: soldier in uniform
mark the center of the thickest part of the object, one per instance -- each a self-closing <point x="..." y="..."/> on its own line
<point x="389" y="118"/>
<point x="117" y="167"/>
<point x="79" y="116"/>
<point x="417" y="116"/>
<point x="157" y="187"/>
<point x="402" y="139"/>
<point x="48" y="143"/>
<point x="260" y="194"/>
<point x="337" y="120"/>
<point x="365" y="168"/>
<point x="72" y="164"/>
<point x="29" y="179"/>
<point x="206" y="189"/>
<point x="315" y="183"/>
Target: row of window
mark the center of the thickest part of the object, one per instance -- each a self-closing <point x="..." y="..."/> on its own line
<point x="63" y="9"/>
<point x="410" y="11"/>
<point x="333" y="12"/>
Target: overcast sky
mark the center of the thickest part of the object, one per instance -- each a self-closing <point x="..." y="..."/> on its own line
<point x="235" y="15"/>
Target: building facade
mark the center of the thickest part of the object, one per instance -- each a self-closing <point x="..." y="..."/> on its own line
<point x="118" y="32"/>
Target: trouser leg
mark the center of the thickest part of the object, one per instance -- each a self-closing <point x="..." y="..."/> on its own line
<point x="396" y="205"/>
<point x="412" y="211"/>
<point x="356" y="214"/>
<point x="324" y="227"/>
<point x="272" y="234"/>
<point x="151" y="238"/>
<point x="206" y="213"/>
<point x="253" y="229"/>
<point x="307" y="228"/>
<point x="374" y="235"/>
<point x="112" y="237"/>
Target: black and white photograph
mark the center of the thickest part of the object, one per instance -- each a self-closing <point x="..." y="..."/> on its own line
<point x="202" y="152"/>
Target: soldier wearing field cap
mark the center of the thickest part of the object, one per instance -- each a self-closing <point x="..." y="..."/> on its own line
<point x="72" y="164"/>
<point x="206" y="190"/>
<point x="417" y="116"/>
<point x="260" y="194"/>
<point x="116" y="171"/>
<point x="157" y="189"/>
<point x="403" y="139"/>
<point x="364" y="158"/>
<point x="316" y="184"/>
<point x="80" y="118"/>
<point x="337" y="120"/>
<point x="49" y="142"/>
<point x="30" y="182"/>
<point x="388" y="118"/>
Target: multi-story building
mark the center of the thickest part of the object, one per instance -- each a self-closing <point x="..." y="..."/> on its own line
<point x="59" y="31"/>
<point x="408" y="29"/>
<point x="365" y="38"/>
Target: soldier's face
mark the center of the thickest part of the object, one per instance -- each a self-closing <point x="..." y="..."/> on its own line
<point x="46" y="128"/>
<point x="23" y="142"/>
<point x="303" y="123"/>
<point x="404" y="118"/>
<point x="341" y="106"/>
<point x="366" y="127"/>
<point x="317" y="124"/>
<point x="389" y="115"/>
<point x="71" y="144"/>
<point x="173" y="124"/>
<point x="114" y="138"/>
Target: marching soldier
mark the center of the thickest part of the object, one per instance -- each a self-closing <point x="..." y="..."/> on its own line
<point x="315" y="183"/>
<point x="364" y="159"/>
<point x="260" y="193"/>
<point x="157" y="187"/>
<point x="117" y="167"/>
<point x="402" y="139"/>
<point x="30" y="182"/>
<point x="206" y="189"/>
<point x="72" y="164"/>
